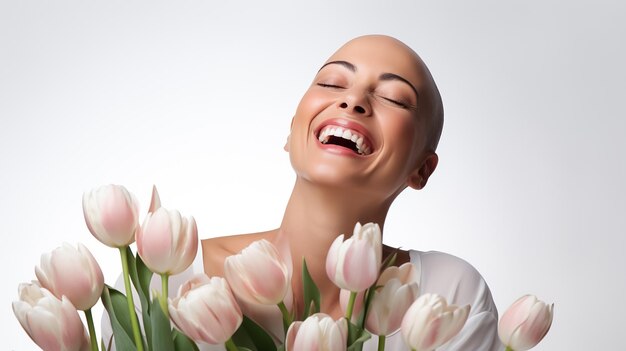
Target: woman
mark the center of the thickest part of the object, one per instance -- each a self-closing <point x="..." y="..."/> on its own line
<point x="366" y="129"/>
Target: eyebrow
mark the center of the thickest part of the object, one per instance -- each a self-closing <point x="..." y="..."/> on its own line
<point x="384" y="76"/>
<point x="345" y="64"/>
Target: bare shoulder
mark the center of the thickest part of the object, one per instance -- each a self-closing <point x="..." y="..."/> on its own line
<point x="215" y="250"/>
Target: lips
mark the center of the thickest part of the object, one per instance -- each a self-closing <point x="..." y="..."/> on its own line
<point x="345" y="134"/>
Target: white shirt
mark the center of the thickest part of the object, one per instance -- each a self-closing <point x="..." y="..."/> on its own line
<point x="444" y="274"/>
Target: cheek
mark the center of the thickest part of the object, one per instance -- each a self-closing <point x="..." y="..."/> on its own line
<point x="311" y="104"/>
<point x="402" y="130"/>
<point x="404" y="138"/>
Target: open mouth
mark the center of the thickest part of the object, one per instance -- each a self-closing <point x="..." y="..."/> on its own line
<point x="345" y="137"/>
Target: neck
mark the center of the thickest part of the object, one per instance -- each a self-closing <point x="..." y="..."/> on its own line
<point x="314" y="217"/>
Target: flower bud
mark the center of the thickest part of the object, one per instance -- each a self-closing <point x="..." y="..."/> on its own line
<point x="525" y="323"/>
<point x="73" y="273"/>
<point x="258" y="274"/>
<point x="111" y="214"/>
<point x="53" y="324"/>
<point x="390" y="302"/>
<point x="430" y="322"/>
<point x="205" y="310"/>
<point x="354" y="264"/>
<point x="319" y="332"/>
<point x="166" y="242"/>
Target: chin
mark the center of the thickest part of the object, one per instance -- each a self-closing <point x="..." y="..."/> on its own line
<point x="331" y="176"/>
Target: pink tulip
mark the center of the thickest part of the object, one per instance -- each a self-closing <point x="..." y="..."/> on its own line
<point x="525" y="323"/>
<point x="430" y="322"/>
<point x="354" y="264"/>
<point x="258" y="274"/>
<point x="111" y="214"/>
<point x="319" y="332"/>
<point x="399" y="290"/>
<point x="155" y="200"/>
<point x="167" y="242"/>
<point x="205" y="310"/>
<point x="53" y="324"/>
<point x="73" y="273"/>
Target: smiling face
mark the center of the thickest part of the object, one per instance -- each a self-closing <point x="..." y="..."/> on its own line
<point x="366" y="121"/>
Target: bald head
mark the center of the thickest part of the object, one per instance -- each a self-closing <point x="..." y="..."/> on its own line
<point x="429" y="104"/>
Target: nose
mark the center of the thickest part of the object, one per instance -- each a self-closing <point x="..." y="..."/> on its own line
<point x="356" y="103"/>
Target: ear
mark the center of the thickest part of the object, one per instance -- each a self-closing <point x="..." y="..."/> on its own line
<point x="286" y="147"/>
<point x="418" y="178"/>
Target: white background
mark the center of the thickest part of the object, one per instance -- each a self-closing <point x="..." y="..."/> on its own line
<point x="196" y="97"/>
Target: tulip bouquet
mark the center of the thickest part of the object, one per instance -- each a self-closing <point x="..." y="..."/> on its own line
<point x="377" y="297"/>
<point x="69" y="279"/>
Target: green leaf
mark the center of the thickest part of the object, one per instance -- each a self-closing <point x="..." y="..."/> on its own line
<point x="144" y="275"/>
<point x="389" y="261"/>
<point x="182" y="342"/>
<point x="147" y="326"/>
<point x="311" y="292"/>
<point x="252" y="336"/>
<point x="356" y="337"/>
<point x="103" y="346"/>
<point x="367" y="301"/>
<point x="132" y="270"/>
<point x="141" y="276"/>
<point x="161" y="333"/>
<point x="116" y="306"/>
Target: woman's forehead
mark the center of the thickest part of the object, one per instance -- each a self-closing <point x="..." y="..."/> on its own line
<point x="381" y="54"/>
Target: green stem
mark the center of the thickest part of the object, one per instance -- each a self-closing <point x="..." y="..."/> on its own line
<point x="381" y="343"/>
<point x="129" y="298"/>
<point x="350" y="305"/>
<point x="92" y="330"/>
<point x="508" y="349"/>
<point x="287" y="320"/>
<point x="230" y="345"/>
<point x="164" y="294"/>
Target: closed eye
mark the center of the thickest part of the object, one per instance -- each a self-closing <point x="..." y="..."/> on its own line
<point x="396" y="102"/>
<point x="324" y="85"/>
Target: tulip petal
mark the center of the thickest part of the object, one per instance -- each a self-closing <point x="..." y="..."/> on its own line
<point x="53" y="324"/>
<point x="242" y="272"/>
<point x="332" y="257"/>
<point x="156" y="241"/>
<point x="359" y="266"/>
<point x="319" y="332"/>
<point x="533" y="329"/>
<point x="111" y="214"/>
<point x="71" y="272"/>
<point x="309" y="335"/>
<point x="155" y="200"/>
<point x="291" y="335"/>
<point x="43" y="330"/>
<point x="207" y="312"/>
<point x="429" y="322"/>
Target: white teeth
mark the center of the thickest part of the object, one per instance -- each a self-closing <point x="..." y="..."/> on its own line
<point x="323" y="138"/>
<point x="348" y="134"/>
